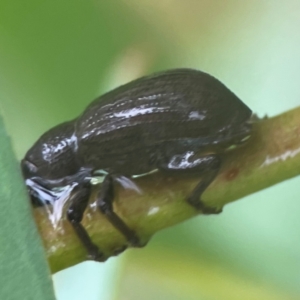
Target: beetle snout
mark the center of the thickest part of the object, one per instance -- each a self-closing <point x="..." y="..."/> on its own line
<point x="28" y="169"/>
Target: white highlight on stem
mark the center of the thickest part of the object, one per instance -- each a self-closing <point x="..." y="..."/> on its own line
<point x="153" y="211"/>
<point x="282" y="157"/>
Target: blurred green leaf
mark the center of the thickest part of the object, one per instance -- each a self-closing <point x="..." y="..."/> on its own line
<point x="24" y="273"/>
<point x="190" y="276"/>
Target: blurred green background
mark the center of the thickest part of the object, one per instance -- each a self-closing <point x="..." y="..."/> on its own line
<point x="56" y="56"/>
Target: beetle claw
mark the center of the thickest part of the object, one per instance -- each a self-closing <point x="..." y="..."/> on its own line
<point x="97" y="256"/>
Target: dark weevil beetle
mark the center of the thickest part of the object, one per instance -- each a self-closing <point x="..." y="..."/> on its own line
<point x="177" y="121"/>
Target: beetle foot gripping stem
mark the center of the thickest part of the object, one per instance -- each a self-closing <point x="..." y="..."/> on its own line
<point x="208" y="166"/>
<point x="93" y="251"/>
<point x="212" y="167"/>
<point x="104" y="203"/>
<point x="78" y="204"/>
<point x="206" y="210"/>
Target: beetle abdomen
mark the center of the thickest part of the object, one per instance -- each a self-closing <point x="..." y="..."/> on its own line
<point x="176" y="95"/>
<point x="166" y="107"/>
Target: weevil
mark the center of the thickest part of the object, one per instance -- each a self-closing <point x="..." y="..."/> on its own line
<point x="177" y="121"/>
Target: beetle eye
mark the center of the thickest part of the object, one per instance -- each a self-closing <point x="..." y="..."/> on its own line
<point x="28" y="169"/>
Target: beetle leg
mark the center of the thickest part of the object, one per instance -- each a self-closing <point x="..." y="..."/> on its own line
<point x="210" y="170"/>
<point x="208" y="166"/>
<point x="78" y="204"/>
<point x="104" y="203"/>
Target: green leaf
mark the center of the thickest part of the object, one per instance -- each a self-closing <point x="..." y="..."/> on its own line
<point x="24" y="273"/>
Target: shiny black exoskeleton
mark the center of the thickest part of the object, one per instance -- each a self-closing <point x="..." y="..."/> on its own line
<point x="177" y="121"/>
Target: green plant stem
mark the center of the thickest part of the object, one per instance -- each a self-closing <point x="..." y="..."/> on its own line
<point x="269" y="157"/>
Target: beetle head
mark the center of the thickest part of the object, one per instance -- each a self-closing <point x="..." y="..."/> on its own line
<point x="53" y="156"/>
